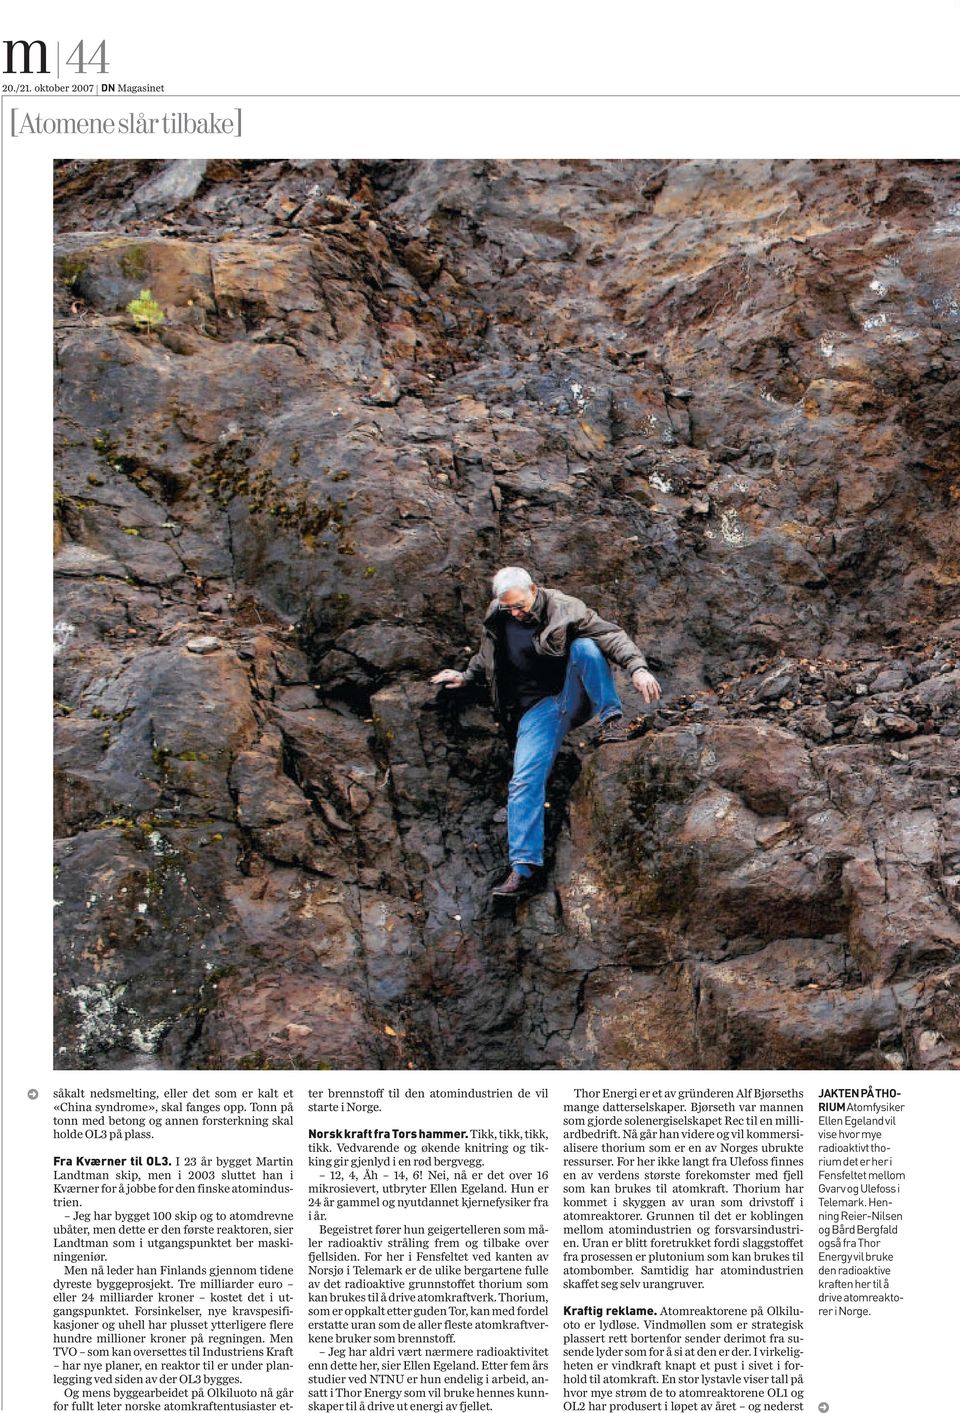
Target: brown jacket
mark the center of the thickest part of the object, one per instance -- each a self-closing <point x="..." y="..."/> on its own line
<point x="562" y="618"/>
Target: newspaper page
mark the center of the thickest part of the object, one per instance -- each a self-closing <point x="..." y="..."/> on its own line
<point x="503" y="472"/>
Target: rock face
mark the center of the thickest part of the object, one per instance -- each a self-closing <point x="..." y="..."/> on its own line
<point x="718" y="401"/>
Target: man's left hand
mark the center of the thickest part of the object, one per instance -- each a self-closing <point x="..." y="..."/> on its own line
<point x="646" y="684"/>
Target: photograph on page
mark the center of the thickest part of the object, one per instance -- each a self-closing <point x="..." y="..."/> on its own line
<point x="505" y="718"/>
<point x="506" y="614"/>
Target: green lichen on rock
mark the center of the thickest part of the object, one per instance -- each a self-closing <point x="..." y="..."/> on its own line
<point x="230" y="472"/>
<point x="162" y="484"/>
<point x="111" y="456"/>
<point x="161" y="756"/>
<point x="133" y="263"/>
<point x="71" y="268"/>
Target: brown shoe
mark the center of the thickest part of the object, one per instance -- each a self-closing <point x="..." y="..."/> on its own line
<point x="613" y="731"/>
<point x="515" y="885"/>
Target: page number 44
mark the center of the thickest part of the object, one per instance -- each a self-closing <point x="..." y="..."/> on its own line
<point x="82" y="61"/>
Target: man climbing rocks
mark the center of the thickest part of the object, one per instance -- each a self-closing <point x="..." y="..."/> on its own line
<point x="545" y="657"/>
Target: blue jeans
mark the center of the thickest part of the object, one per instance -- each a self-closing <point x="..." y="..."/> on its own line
<point x="588" y="690"/>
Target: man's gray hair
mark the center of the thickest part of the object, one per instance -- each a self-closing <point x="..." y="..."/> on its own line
<point x="512" y="577"/>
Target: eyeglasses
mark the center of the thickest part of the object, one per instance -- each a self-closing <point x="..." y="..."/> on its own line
<point x="516" y="607"/>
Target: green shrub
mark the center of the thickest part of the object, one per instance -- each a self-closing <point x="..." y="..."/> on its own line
<point x="145" y="311"/>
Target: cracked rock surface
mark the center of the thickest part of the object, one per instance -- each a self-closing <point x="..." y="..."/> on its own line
<point x="716" y="400"/>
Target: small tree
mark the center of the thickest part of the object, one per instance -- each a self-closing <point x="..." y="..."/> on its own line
<point x="145" y="311"/>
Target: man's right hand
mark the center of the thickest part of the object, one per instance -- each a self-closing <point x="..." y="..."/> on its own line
<point x="647" y="685"/>
<point x="449" y="678"/>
